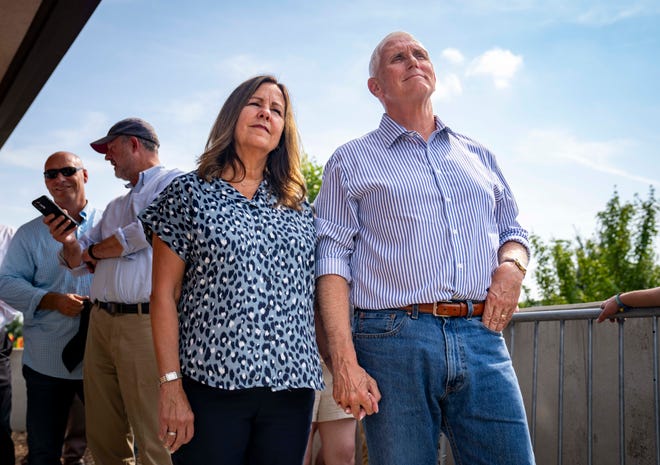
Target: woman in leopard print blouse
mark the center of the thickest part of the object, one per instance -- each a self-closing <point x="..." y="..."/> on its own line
<point x="233" y="288"/>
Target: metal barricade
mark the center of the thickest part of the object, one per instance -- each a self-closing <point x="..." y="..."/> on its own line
<point x="591" y="391"/>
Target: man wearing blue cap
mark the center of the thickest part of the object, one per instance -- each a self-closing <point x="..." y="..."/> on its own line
<point x="121" y="375"/>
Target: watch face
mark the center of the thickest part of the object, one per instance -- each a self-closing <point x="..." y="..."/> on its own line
<point x="171" y="376"/>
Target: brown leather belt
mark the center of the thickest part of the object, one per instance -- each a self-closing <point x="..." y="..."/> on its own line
<point x="448" y="309"/>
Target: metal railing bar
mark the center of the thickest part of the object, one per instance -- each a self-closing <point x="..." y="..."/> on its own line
<point x="590" y="389"/>
<point x="622" y="412"/>
<point x="512" y="344"/>
<point x="535" y="366"/>
<point x="560" y="413"/>
<point x="443" y="450"/>
<point x="656" y="392"/>
<point x="579" y="314"/>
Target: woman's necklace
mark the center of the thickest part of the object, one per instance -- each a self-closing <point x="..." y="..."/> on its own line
<point x="247" y="187"/>
<point x="248" y="182"/>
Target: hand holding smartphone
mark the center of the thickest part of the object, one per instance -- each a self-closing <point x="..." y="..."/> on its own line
<point x="47" y="206"/>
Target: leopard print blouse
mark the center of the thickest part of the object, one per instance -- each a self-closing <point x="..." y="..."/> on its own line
<point x="246" y="308"/>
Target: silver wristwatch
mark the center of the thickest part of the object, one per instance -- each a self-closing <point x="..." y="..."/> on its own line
<point x="169" y="376"/>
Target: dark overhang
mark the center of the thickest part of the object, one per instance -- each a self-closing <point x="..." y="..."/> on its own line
<point x="34" y="36"/>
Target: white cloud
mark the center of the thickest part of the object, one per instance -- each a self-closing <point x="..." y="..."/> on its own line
<point x="453" y="56"/>
<point x="447" y="87"/>
<point x="501" y="65"/>
<point x="559" y="147"/>
<point x="605" y="15"/>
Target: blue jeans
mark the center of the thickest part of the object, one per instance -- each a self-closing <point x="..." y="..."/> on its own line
<point x="440" y="374"/>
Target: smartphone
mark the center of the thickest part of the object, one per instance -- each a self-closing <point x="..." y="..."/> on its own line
<point x="47" y="206"/>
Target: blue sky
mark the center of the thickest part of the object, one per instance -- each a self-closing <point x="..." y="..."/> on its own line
<point x="564" y="92"/>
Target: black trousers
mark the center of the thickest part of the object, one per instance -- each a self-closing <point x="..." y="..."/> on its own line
<point x="246" y="426"/>
<point x="49" y="401"/>
<point x="6" y="444"/>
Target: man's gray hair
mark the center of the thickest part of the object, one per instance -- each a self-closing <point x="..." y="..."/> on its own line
<point x="374" y="63"/>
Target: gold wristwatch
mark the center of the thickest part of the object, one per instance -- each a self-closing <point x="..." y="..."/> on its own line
<point x="518" y="264"/>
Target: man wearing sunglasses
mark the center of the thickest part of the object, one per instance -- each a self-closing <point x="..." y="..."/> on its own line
<point x="51" y="300"/>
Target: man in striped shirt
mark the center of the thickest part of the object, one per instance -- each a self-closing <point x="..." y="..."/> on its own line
<point x="418" y="231"/>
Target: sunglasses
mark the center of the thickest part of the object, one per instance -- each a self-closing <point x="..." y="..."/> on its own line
<point x="66" y="172"/>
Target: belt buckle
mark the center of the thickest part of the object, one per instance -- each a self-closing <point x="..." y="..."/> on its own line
<point x="435" y="310"/>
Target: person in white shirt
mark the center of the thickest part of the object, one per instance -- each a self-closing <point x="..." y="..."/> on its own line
<point x="7" y="315"/>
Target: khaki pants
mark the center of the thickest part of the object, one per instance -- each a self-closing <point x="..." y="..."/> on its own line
<point x="121" y="390"/>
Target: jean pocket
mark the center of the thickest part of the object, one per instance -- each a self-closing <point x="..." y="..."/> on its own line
<point x="486" y="328"/>
<point x="378" y="323"/>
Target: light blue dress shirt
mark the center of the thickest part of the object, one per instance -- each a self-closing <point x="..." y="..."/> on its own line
<point x="126" y="279"/>
<point x="30" y="270"/>
<point x="408" y="221"/>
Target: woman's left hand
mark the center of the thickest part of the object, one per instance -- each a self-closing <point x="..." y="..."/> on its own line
<point x="176" y="418"/>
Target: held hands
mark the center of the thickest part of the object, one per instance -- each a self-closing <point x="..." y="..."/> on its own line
<point x="175" y="416"/>
<point x="355" y="391"/>
<point x="502" y="297"/>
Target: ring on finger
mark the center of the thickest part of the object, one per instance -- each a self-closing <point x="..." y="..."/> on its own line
<point x="171" y="433"/>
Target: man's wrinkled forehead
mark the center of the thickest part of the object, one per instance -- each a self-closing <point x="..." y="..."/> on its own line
<point x="399" y="43"/>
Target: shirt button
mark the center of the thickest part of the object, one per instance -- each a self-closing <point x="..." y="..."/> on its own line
<point x="448" y="200"/>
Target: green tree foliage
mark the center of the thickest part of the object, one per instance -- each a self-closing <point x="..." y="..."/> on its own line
<point x="620" y="256"/>
<point x="312" y="172"/>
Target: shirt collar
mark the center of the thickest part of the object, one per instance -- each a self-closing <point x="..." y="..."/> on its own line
<point x="84" y="212"/>
<point x="390" y="130"/>
<point x="144" y="177"/>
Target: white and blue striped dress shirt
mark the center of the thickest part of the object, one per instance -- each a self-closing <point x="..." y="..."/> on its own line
<point x="406" y="221"/>
<point x="126" y="279"/>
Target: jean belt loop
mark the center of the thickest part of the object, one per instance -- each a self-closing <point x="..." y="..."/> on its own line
<point x="470" y="307"/>
<point x="415" y="312"/>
